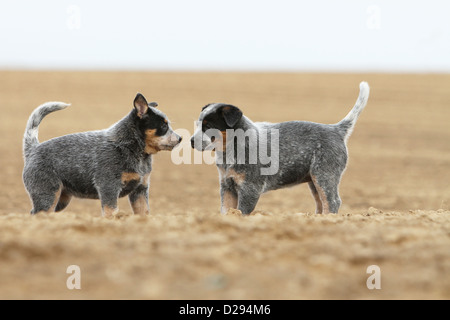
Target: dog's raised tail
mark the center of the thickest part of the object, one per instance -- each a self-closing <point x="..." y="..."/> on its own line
<point x="30" y="137"/>
<point x="347" y="124"/>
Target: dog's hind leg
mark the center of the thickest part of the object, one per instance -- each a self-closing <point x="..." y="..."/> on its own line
<point x="327" y="190"/>
<point x="63" y="202"/>
<point x="316" y="196"/>
<point x="45" y="201"/>
<point x="43" y="187"/>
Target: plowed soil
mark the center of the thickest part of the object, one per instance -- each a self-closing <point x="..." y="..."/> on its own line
<point x="395" y="193"/>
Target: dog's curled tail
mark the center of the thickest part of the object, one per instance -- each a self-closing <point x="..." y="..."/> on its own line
<point x="347" y="124"/>
<point x="30" y="137"/>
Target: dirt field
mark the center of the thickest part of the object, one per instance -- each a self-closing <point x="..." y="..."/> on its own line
<point x="395" y="193"/>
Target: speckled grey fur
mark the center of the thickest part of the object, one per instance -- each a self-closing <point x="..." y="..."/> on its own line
<point x="308" y="152"/>
<point x="86" y="165"/>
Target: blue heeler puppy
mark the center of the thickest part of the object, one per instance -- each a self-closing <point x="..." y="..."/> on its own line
<point x="105" y="164"/>
<point x="305" y="151"/>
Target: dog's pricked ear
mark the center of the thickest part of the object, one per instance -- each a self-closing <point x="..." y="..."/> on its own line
<point x="206" y="106"/>
<point x="231" y="115"/>
<point x="141" y="105"/>
<point x="153" y="104"/>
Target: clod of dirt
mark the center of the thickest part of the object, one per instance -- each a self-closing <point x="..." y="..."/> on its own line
<point x="234" y="212"/>
<point x="372" y="211"/>
<point x="121" y="215"/>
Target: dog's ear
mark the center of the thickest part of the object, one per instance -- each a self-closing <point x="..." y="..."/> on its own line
<point x="231" y="115"/>
<point x="206" y="106"/>
<point x="153" y="104"/>
<point x="141" y="105"/>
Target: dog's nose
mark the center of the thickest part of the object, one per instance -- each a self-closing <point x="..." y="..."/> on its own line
<point x="192" y="142"/>
<point x="180" y="138"/>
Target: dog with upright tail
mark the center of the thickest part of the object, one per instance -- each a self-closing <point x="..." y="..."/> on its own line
<point x="307" y="152"/>
<point x="105" y="164"/>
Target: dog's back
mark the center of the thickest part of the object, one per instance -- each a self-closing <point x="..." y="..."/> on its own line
<point x="76" y="165"/>
<point x="301" y="144"/>
<point x="83" y="158"/>
<point x="305" y="145"/>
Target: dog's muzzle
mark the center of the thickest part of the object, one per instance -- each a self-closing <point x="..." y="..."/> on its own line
<point x="172" y="141"/>
<point x="201" y="142"/>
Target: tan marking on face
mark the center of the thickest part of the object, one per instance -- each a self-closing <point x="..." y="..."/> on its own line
<point x="109" y="212"/>
<point x="129" y="176"/>
<point x="238" y="178"/>
<point x="151" y="142"/>
<point x="140" y="206"/>
<point x="229" y="201"/>
<point x="322" y="196"/>
<point x="165" y="121"/>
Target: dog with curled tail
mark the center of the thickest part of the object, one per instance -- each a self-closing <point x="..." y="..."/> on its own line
<point x="104" y="164"/>
<point x="305" y="152"/>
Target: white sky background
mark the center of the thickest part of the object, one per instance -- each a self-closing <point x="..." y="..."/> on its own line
<point x="278" y="35"/>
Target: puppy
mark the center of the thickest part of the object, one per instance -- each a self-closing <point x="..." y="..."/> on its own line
<point x="105" y="164"/>
<point x="303" y="152"/>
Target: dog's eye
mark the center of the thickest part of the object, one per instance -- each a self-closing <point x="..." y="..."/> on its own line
<point x="164" y="127"/>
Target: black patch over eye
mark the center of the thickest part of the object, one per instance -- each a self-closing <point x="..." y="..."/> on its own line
<point x="154" y="122"/>
<point x="164" y="128"/>
<point x="214" y="121"/>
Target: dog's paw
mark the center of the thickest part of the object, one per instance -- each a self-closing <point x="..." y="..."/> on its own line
<point x="235" y="212"/>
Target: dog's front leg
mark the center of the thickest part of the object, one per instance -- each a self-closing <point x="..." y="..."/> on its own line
<point x="108" y="193"/>
<point x="139" y="200"/>
<point x="248" y="196"/>
<point x="109" y="204"/>
<point x="228" y="197"/>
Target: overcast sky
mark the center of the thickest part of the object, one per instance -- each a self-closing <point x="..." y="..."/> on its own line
<point x="323" y="35"/>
